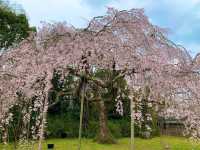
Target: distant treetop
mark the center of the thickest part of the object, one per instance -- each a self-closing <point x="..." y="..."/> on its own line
<point x="14" y="25"/>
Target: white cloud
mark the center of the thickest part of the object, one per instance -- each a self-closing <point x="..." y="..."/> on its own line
<point x="179" y="15"/>
<point x="195" y="1"/>
<point x="71" y="11"/>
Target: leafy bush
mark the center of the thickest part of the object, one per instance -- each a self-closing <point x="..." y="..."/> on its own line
<point x="63" y="127"/>
<point x="115" y="129"/>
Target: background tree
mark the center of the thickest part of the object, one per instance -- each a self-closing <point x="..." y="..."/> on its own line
<point x="14" y="25"/>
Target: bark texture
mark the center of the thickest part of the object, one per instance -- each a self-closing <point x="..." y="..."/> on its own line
<point x="104" y="136"/>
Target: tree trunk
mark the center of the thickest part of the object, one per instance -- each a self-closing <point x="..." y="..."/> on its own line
<point x="44" y="117"/>
<point x="45" y="109"/>
<point x="5" y="135"/>
<point x="81" y="113"/>
<point x="104" y="135"/>
<point x="132" y="122"/>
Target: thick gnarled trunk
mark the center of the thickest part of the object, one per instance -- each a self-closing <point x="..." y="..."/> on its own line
<point x="104" y="135"/>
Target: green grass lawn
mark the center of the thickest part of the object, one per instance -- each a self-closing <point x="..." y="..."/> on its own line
<point x="175" y="143"/>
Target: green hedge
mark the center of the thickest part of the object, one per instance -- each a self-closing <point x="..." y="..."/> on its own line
<point x="61" y="127"/>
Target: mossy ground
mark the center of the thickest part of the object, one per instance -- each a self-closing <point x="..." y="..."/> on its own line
<point x="158" y="143"/>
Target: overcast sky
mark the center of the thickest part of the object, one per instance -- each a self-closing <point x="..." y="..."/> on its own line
<point x="182" y="17"/>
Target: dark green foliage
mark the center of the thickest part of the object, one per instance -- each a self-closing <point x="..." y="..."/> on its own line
<point x="61" y="127"/>
<point x="58" y="126"/>
<point x="63" y="117"/>
<point x="14" y="26"/>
